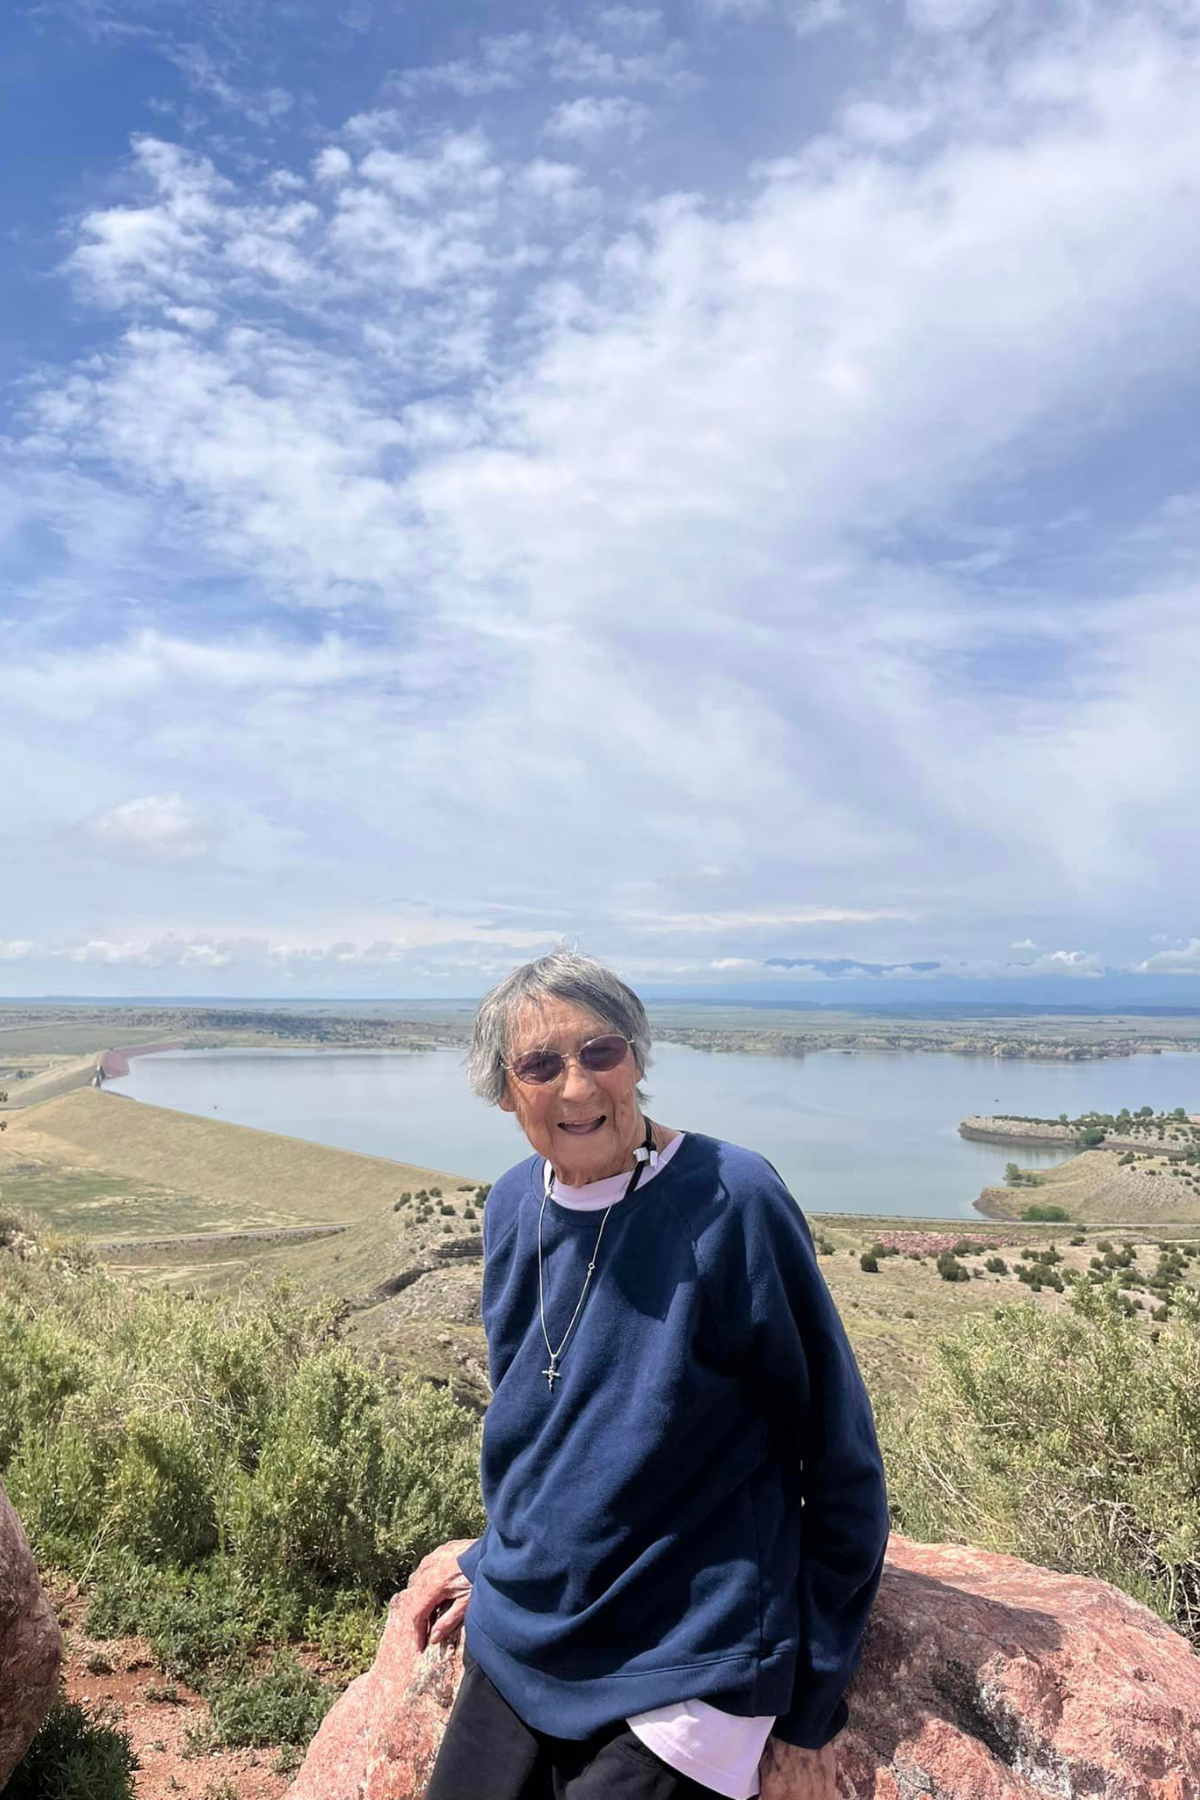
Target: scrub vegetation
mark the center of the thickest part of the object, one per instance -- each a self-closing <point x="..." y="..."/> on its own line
<point x="1070" y="1438"/>
<point x="223" y="1479"/>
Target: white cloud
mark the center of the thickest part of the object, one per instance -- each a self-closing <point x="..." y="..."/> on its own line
<point x="1024" y="944"/>
<point x="592" y="117"/>
<point x="768" y="921"/>
<point x="736" y="9"/>
<point x="948" y="15"/>
<point x="1184" y="960"/>
<point x="812" y="16"/>
<point x="159" y="827"/>
<point x="1084" y="963"/>
<point x="732" y="498"/>
<point x="630" y="21"/>
<point x="331" y="164"/>
<point x="16" y="949"/>
<point x="151" y="666"/>
<point x="503" y="62"/>
<point x="263" y="107"/>
<point x="619" y="46"/>
<point x="806" y="17"/>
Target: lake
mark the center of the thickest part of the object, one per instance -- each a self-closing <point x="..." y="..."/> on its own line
<point x="849" y="1133"/>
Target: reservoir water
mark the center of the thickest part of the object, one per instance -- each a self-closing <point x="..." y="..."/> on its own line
<point x="849" y="1133"/>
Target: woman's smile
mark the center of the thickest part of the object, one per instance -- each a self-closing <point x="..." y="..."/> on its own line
<point x="581" y="1127"/>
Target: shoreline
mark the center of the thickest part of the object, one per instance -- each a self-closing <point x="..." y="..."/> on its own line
<point x="1161" y="1135"/>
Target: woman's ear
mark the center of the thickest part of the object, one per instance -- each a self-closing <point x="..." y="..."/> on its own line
<point x="505" y="1101"/>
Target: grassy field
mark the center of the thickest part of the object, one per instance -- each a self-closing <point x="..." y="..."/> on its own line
<point x="70" y="1037"/>
<point x="191" y="1174"/>
<point x="93" y="1203"/>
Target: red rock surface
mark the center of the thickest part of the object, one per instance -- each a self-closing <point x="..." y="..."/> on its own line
<point x="30" y="1643"/>
<point x="987" y="1679"/>
<point x="380" y="1739"/>
<point x="984" y="1678"/>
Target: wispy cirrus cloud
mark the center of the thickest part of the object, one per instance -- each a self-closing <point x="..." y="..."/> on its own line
<point x="497" y="480"/>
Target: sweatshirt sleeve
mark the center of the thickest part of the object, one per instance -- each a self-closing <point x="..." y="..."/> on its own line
<point x="468" y="1562"/>
<point x="799" y="1357"/>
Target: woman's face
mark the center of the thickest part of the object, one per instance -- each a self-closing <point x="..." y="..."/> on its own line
<point x="587" y="1124"/>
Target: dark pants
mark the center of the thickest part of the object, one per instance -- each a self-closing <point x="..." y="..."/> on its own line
<point x="488" y="1753"/>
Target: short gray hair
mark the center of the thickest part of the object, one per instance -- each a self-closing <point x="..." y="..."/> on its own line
<point x="562" y="975"/>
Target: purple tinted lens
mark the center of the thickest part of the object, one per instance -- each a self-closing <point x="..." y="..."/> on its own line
<point x="538" y="1066"/>
<point x="603" y="1053"/>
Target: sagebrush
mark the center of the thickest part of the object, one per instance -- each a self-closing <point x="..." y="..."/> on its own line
<point x="221" y="1474"/>
<point x="1069" y="1438"/>
<point x="77" y="1755"/>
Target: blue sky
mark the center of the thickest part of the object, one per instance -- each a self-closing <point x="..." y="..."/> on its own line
<point x="717" y="482"/>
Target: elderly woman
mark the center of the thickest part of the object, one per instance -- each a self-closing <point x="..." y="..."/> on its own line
<point x="685" y="1501"/>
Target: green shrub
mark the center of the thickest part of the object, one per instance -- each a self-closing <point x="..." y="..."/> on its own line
<point x="77" y="1755"/>
<point x="1044" y="1214"/>
<point x="224" y="1474"/>
<point x="950" y="1269"/>
<point x="870" y="1262"/>
<point x="996" y="1265"/>
<point x="283" y="1706"/>
<point x="1069" y="1438"/>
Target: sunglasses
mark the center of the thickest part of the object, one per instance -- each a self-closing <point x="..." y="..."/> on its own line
<point x="599" y="1055"/>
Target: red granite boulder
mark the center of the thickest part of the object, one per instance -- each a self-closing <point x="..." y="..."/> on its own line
<point x="984" y="1678"/>
<point x="30" y="1643"/>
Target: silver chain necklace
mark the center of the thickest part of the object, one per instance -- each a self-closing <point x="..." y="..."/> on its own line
<point x="642" y="1162"/>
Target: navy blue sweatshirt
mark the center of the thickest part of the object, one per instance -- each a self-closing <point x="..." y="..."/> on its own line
<point x="697" y="1511"/>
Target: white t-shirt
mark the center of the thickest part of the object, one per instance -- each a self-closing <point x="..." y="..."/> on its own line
<point x="715" y="1748"/>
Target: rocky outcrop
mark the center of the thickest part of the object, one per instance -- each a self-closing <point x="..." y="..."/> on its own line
<point x="1176" y="1137"/>
<point x="30" y="1643"/>
<point x="380" y="1740"/>
<point x="1016" y="1131"/>
<point x="984" y="1678"/>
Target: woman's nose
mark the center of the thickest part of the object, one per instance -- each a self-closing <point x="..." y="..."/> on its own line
<point x="576" y="1083"/>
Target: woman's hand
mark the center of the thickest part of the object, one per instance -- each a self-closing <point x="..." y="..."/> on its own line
<point x="440" y="1594"/>
<point x="788" y="1773"/>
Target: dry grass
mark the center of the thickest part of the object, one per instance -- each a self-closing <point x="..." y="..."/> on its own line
<point x="247" y="1177"/>
<point x="58" y="1075"/>
<point x="70" y="1036"/>
<point x="1094" y="1189"/>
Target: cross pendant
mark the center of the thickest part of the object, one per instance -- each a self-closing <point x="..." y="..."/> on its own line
<point x="551" y="1374"/>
